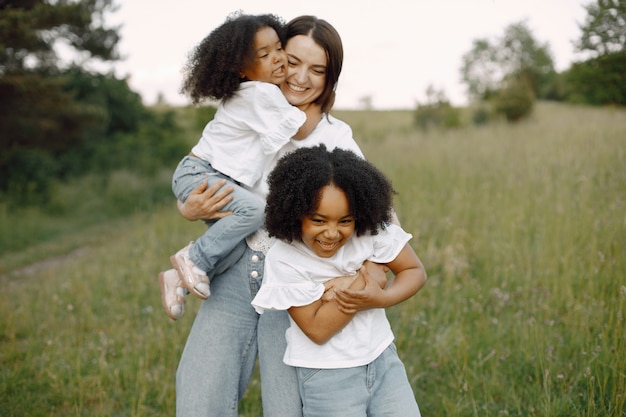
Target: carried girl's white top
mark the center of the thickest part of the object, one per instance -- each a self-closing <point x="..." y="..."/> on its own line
<point x="247" y="131"/>
<point x="294" y="276"/>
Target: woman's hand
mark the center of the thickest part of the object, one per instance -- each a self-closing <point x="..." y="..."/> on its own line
<point x="205" y="202"/>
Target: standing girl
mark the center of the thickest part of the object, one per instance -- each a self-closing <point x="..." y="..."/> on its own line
<point x="331" y="212"/>
<point x="241" y="63"/>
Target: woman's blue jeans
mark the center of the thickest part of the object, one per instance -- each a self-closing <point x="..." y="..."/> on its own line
<point x="219" y="356"/>
<point x="223" y="234"/>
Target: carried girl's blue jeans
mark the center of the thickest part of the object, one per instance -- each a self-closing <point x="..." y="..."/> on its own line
<point x="223" y="234"/>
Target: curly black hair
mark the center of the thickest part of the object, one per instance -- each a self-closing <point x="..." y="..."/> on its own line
<point x="295" y="189"/>
<point x="214" y="65"/>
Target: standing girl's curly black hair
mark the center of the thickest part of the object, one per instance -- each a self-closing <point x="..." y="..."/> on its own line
<point x="214" y="66"/>
<point x="296" y="182"/>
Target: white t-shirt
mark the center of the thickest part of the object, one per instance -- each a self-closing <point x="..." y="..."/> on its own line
<point x="294" y="276"/>
<point x="330" y="131"/>
<point x="247" y="131"/>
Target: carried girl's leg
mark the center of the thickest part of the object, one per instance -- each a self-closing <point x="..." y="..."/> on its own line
<point x="224" y="234"/>
<point x="202" y="256"/>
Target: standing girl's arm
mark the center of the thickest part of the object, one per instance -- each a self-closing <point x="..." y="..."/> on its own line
<point x="410" y="277"/>
<point x="320" y="321"/>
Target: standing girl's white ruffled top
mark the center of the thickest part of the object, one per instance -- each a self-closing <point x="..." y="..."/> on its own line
<point x="295" y="276"/>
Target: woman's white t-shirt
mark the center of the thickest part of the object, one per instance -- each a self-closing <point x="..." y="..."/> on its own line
<point x="331" y="132"/>
<point x="294" y="276"/>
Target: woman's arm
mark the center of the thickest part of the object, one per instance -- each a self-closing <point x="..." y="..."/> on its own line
<point x="205" y="202"/>
<point x="321" y="320"/>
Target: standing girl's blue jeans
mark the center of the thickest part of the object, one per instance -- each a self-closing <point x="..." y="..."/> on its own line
<point x="380" y="388"/>
<point x="223" y="234"/>
<point x="222" y="347"/>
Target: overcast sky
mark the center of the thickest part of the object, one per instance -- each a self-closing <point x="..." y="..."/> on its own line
<point x="393" y="49"/>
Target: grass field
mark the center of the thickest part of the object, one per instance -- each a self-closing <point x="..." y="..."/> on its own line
<point x="522" y="230"/>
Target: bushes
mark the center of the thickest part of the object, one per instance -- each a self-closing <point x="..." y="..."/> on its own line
<point x="437" y="112"/>
<point x="93" y="125"/>
<point x="515" y="101"/>
<point x="598" y="81"/>
<point x="26" y="176"/>
<point x="437" y="115"/>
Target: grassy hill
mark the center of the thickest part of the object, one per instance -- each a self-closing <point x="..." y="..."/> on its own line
<point x="522" y="230"/>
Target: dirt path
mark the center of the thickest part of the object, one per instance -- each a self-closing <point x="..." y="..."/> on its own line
<point x="46" y="263"/>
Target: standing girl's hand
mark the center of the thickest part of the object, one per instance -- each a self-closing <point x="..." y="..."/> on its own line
<point x="335" y="284"/>
<point x="377" y="271"/>
<point x="410" y="277"/>
<point x="370" y="295"/>
<point x="205" y="202"/>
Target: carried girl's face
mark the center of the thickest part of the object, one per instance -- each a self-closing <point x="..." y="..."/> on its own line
<point x="269" y="63"/>
<point x="331" y="225"/>
<point x="306" y="72"/>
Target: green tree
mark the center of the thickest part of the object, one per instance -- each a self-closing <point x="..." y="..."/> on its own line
<point x="604" y="29"/>
<point x="523" y="56"/>
<point x="31" y="31"/>
<point x="598" y="81"/>
<point x="601" y="79"/>
<point x="40" y="118"/>
<point x="37" y="109"/>
<point x="489" y="65"/>
<point x="481" y="70"/>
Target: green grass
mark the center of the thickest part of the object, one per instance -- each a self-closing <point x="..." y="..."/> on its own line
<point x="522" y="230"/>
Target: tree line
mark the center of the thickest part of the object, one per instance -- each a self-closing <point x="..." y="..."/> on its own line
<point x="59" y="119"/>
<point x="504" y="76"/>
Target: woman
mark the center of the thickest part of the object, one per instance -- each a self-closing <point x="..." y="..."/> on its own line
<point x="227" y="334"/>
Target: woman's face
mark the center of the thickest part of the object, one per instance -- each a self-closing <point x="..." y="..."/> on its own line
<point x="306" y="70"/>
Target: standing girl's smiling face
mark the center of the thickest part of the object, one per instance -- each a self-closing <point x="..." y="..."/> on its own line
<point x="331" y="225"/>
<point x="306" y="70"/>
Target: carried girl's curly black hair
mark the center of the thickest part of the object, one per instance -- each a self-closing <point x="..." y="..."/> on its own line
<point x="214" y="66"/>
<point x="295" y="187"/>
